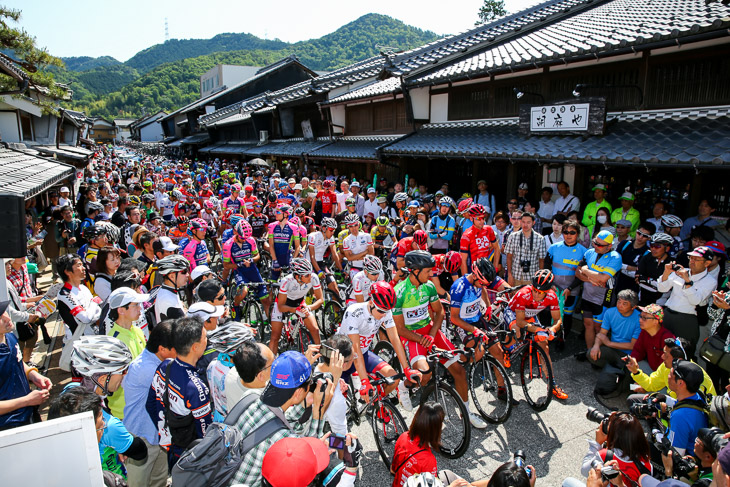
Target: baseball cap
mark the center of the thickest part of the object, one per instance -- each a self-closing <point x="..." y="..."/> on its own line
<point x="289" y="371"/>
<point x="355" y="184"/>
<point x="4" y="306"/>
<point x="413" y="204"/>
<point x="521" y="186"/>
<point x="704" y="252"/>
<point x="648" y="481"/>
<point x="294" y="462"/>
<point x="200" y="270"/>
<point x="205" y="311"/>
<point x="624" y="222"/>
<point x="654" y="310"/>
<point x="599" y="186"/>
<point x="382" y="199"/>
<point x="606" y="236"/>
<point x="626" y="196"/>
<point x="371" y="190"/>
<point x="64" y="190"/>
<point x="439" y="193"/>
<point x="689" y="372"/>
<point x="124" y="295"/>
<point x="481" y="181"/>
<point x="165" y="243"/>
<point x="716" y="247"/>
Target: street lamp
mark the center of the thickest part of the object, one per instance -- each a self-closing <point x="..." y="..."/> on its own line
<point x="519" y="94"/>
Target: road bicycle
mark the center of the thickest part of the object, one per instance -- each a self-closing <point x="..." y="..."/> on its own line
<point x="250" y="310"/>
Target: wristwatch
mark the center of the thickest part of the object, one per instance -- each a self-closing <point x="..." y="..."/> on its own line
<point x="689" y="283"/>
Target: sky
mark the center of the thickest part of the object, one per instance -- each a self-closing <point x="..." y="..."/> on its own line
<point x="122" y="28"/>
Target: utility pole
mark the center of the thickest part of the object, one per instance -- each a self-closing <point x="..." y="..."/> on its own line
<point x="167" y="32"/>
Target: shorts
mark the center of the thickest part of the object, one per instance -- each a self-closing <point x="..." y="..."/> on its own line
<point x="592" y="310"/>
<point x="373" y="363"/>
<point x="416" y="351"/>
<point x="240" y="278"/>
<point x="276" y="313"/>
<point x="325" y="273"/>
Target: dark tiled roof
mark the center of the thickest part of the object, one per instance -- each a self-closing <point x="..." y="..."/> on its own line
<point x="27" y="175"/>
<point x="290" y="147"/>
<point x="238" y="108"/>
<point x="233" y="147"/>
<point x="687" y="137"/>
<point x="611" y="26"/>
<point x="365" y="148"/>
<point x="64" y="151"/>
<point x="376" y="88"/>
<point x="201" y="138"/>
<point x="8" y="66"/>
<point x="205" y="150"/>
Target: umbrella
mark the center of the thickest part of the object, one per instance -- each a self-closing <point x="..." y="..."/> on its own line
<point x="258" y="162"/>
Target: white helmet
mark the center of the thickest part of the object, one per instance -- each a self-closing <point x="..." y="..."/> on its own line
<point x="400" y="197"/>
<point x="372" y="264"/>
<point x="229" y="337"/>
<point x="671" y="221"/>
<point x="100" y="354"/>
<point x="425" y="479"/>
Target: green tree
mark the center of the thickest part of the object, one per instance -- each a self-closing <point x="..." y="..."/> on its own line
<point x="491" y="10"/>
<point x="28" y="57"/>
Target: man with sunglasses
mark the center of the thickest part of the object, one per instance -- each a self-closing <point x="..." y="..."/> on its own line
<point x="631" y="252"/>
<point x="563" y="259"/>
<point x="281" y="239"/>
<point x="598" y="271"/>
<point x="651" y="267"/>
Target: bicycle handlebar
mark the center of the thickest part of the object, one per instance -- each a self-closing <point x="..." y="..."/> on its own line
<point x="510" y="289"/>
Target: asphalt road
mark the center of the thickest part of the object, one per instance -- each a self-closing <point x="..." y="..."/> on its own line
<point x="554" y="440"/>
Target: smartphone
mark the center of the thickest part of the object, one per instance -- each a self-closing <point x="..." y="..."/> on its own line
<point x="337" y="441"/>
<point x="326" y="351"/>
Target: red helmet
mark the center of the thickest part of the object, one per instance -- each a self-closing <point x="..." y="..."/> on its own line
<point x="477" y="211"/>
<point x="452" y="262"/>
<point x="382" y="295"/>
<point x="543" y="280"/>
<point x="248" y="188"/>
<point x="464" y="205"/>
<point x="420" y="237"/>
<point x="328" y="183"/>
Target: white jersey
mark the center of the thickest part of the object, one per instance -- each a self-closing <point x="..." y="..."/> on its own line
<point x="361" y="284"/>
<point x="166" y="206"/>
<point x="357" y="244"/>
<point x="320" y="243"/>
<point x="296" y="291"/>
<point x="359" y="321"/>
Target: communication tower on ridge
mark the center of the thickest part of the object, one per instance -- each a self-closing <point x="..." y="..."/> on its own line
<point x="167" y="32"/>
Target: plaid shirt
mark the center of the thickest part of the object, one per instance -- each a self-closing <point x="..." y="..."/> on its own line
<point x="249" y="473"/>
<point x="21" y="282"/>
<point x="523" y="248"/>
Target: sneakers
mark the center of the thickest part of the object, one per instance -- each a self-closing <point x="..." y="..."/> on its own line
<point x="405" y="400"/>
<point x="559" y="393"/>
<point x="477" y="421"/>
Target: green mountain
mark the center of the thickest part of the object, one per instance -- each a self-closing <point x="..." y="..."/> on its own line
<point x="166" y="76"/>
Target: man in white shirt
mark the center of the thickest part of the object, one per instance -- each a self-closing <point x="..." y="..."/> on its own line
<point x="63" y="199"/>
<point x="689" y="288"/>
<point x="546" y="210"/>
<point x="371" y="204"/>
<point x="359" y="200"/>
<point x="250" y="374"/>
<point x="486" y="199"/>
<point x="342" y="196"/>
<point x="567" y="202"/>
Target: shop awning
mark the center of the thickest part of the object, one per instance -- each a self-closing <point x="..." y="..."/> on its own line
<point x="288" y="148"/>
<point x="205" y="150"/>
<point x="196" y="139"/>
<point x="64" y="151"/>
<point x="354" y="148"/>
<point x="676" y="138"/>
<point x="27" y="175"/>
<point x="177" y="143"/>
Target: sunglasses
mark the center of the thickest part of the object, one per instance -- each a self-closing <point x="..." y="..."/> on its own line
<point x="642" y="234"/>
<point x="185" y="272"/>
<point x="656" y="246"/>
<point x="596" y="244"/>
<point x="646" y="316"/>
<point x="572" y="232"/>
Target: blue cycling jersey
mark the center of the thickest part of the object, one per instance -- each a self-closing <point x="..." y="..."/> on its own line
<point x="283" y="238"/>
<point x="466" y="297"/>
<point x="227" y="235"/>
<point x="566" y="258"/>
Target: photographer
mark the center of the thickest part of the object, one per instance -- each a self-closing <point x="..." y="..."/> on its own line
<point x="336" y="355"/>
<point x="707" y="445"/>
<point x="690" y="412"/>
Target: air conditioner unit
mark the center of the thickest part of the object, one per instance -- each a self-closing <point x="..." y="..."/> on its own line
<point x="263" y="136"/>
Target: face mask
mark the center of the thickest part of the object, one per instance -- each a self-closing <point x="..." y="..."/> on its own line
<point x="601" y="219"/>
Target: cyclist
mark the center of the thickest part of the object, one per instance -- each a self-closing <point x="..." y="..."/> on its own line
<point x="234" y="202"/>
<point x="418" y="241"/>
<point x="479" y="240"/>
<point x="258" y="220"/>
<point x="443" y="226"/>
<point x="181" y="229"/>
<point x="356" y="245"/>
<point x="360" y="323"/>
<point x="292" y="290"/>
<point x="327" y="198"/>
<point x="318" y="243"/>
<point x="526" y="304"/>
<point x="372" y="271"/>
<point x="416" y="301"/>
<point x="195" y="250"/>
<point x="282" y="237"/>
<point x="301" y="233"/>
<point x="175" y="270"/>
<point x="381" y="231"/>
<point x="446" y="268"/>
<point x="304" y="219"/>
<point x="211" y="218"/>
<point x="249" y="199"/>
<point x="240" y="255"/>
<point x="673" y="226"/>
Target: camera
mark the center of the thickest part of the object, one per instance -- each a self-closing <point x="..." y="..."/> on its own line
<point x="337" y="441"/>
<point x="326" y="351"/>
<point x="597" y="417"/>
<point x="647" y="408"/>
<point x="520" y="461"/>
<point x="676" y="267"/>
<point x="682" y="466"/>
<point x="607" y="473"/>
<point x="525" y="264"/>
<point x="316" y="377"/>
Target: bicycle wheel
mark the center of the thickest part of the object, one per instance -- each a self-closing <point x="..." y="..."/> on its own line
<point x="330" y="319"/>
<point x="387" y="425"/>
<point x="253" y="314"/>
<point x="536" y="376"/>
<point x="456" y="432"/>
<point x="302" y="339"/>
<point x="264" y="265"/>
<point x="494" y="402"/>
<point x="386" y="351"/>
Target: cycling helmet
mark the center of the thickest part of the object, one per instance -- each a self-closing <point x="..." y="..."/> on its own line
<point x="402" y="197"/>
<point x="419" y="259"/>
<point x="257" y="203"/>
<point x="224" y="172"/>
<point x="294" y="220"/>
<point x="483" y="270"/>
<point x="286" y="209"/>
<point x="243" y="229"/>
<point x="148" y="197"/>
<point x="350" y="202"/>
<point x="382" y="221"/>
<point x="301" y="266"/>
<point x="475" y="211"/>
<point x="214" y="201"/>
<point x="351" y="219"/>
<point x="671" y="221"/>
<point x="463" y="205"/>
<point x="183" y="220"/>
<point x="198" y="224"/>
<point x="272" y="197"/>
<point x="229" y="337"/>
<point x="236" y="188"/>
<point x="134" y="200"/>
<point x="329" y="223"/>
<point x="452" y="262"/>
<point x="446" y="201"/>
<point x="328" y="183"/>
<point x="283" y="184"/>
<point x="300" y="212"/>
<point x="662" y="238"/>
<point x="382" y="295"/>
<point x="466" y="195"/>
<point x="420" y="237"/>
<point x="176" y="194"/>
<point x="94" y="206"/>
<point x="257" y="174"/>
<point x="147" y="184"/>
<point x="371" y="264"/>
<point x="425" y="479"/>
<point x="543" y="280"/>
<point x="192" y="193"/>
<point x="100" y="354"/>
<point x="112" y="231"/>
<point x="248" y="188"/>
<point x="93" y="232"/>
<point x="235" y="218"/>
<point x="172" y="263"/>
<point x="207" y="204"/>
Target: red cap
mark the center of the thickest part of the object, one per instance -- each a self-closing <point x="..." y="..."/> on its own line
<point x="294" y="462"/>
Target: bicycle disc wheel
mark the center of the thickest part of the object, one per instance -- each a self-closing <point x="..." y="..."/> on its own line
<point x="536" y="376"/>
<point x="387" y="425"/>
<point x="386" y="351"/>
<point x="456" y="432"/>
<point x="253" y="314"/>
<point x="494" y="402"/>
<point x="330" y="319"/>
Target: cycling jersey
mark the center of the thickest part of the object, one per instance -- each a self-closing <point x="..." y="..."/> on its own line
<point x="210" y="218"/>
<point x="412" y="303"/>
<point x="77" y="307"/>
<point x="608" y="263"/>
<point x="225" y="236"/>
<point x="565" y="259"/>
<point x="176" y="235"/>
<point x="522" y="301"/>
<point x="187" y="209"/>
<point x="166" y="206"/>
<point x="232" y="203"/>
<point x="294" y="290"/>
<point x="478" y="243"/>
<point x="379" y="237"/>
<point x="258" y="223"/>
<point x="320" y="244"/>
<point x="405" y="245"/>
<point x="357" y="244"/>
<point x="168" y="304"/>
<point x="328" y="199"/>
<point x="468" y="298"/>
<point x="270" y="212"/>
<point x="283" y="240"/>
<point x="286" y="199"/>
<point x="361" y="284"/>
<point x="358" y="321"/>
<point x="196" y="253"/>
<point x="239" y="252"/>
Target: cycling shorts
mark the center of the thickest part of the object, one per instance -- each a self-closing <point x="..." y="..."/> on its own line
<point x="240" y="278"/>
<point x="592" y="310"/>
<point x="278" y="315"/>
<point x="325" y="273"/>
<point x="416" y="351"/>
<point x="373" y="363"/>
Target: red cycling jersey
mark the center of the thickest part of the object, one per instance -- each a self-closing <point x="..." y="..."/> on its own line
<point x="478" y="243"/>
<point x="522" y="301"/>
<point x="328" y="199"/>
<point x="405" y="245"/>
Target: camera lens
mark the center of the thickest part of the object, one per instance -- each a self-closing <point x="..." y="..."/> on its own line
<point x="594" y="415"/>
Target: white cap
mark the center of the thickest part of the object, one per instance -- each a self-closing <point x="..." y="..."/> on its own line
<point x="168" y="245"/>
<point x="64" y="189"/>
<point x="124" y="296"/>
<point x="205" y="311"/>
<point x="200" y="270"/>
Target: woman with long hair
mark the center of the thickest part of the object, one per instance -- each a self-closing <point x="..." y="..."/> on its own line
<point x="603" y="222"/>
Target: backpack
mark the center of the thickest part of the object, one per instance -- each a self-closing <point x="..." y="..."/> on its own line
<point x="149" y="308"/>
<point x="213" y="460"/>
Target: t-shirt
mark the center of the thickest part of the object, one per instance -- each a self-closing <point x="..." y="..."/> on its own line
<point x="412" y="303"/>
<point x="565" y="260"/>
<point x="651" y="348"/>
<point x="684" y="424"/>
<point x="358" y="321"/>
<point x="468" y="298"/>
<point x="135" y="341"/>
<point x="608" y="263"/>
<point x="115" y="439"/>
<point x="13" y="383"/>
<point x="478" y="243"/>
<point x="419" y="462"/>
<point x="523" y="301"/>
<point x="623" y="329"/>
